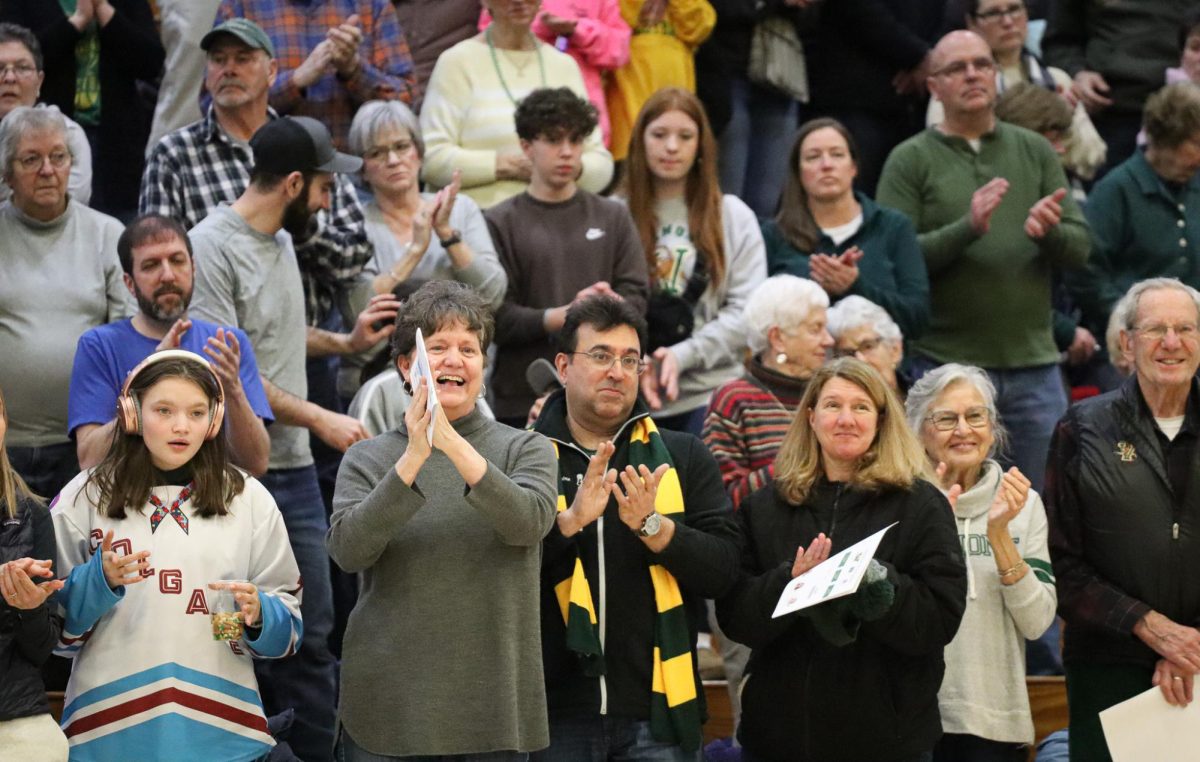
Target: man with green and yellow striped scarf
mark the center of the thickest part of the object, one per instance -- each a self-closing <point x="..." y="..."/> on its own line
<point x="643" y="525"/>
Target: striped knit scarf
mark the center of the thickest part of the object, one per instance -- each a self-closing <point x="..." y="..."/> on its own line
<point x="674" y="709"/>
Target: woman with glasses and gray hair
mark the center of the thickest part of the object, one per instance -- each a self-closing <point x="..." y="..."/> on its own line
<point x="425" y="236"/>
<point x="748" y="417"/>
<point x="862" y="329"/>
<point x="1010" y="585"/>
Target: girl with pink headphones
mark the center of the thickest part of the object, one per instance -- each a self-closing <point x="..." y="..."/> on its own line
<point x="148" y="541"/>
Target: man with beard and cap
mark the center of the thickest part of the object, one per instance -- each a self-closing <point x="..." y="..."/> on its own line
<point x="156" y="256"/>
<point x="247" y="276"/>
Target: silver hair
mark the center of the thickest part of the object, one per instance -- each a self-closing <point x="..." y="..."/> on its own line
<point x="22" y="121"/>
<point x="930" y="387"/>
<point x="783" y="301"/>
<point x="374" y="117"/>
<point x="1127" y="307"/>
<point x="857" y="311"/>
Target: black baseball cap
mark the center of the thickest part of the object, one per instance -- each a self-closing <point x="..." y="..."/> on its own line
<point x="298" y="144"/>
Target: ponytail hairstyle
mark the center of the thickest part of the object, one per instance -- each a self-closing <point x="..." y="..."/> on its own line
<point x="12" y="487"/>
<point x="703" y="191"/>
<point x="126" y="476"/>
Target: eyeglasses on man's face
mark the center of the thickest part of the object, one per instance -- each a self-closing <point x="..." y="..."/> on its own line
<point x="1159" y="331"/>
<point x="981" y="65"/>
<point x="599" y="359"/>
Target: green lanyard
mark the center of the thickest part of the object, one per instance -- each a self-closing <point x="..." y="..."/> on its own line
<point x="487" y="35"/>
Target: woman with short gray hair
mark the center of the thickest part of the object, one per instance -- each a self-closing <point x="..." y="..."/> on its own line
<point x="863" y="329"/>
<point x="748" y="417"/>
<point x="430" y="236"/>
<point x="1010" y="584"/>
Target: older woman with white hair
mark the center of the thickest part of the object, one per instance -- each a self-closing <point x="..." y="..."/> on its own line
<point x="1010" y="584"/>
<point x="430" y="236"/>
<point x="749" y="416"/>
<point x="863" y="329"/>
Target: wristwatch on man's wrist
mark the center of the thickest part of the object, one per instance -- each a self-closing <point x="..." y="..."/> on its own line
<point x="651" y="524"/>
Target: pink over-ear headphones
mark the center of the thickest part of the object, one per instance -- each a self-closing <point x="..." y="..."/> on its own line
<point x="129" y="409"/>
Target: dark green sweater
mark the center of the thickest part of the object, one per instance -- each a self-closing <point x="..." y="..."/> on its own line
<point x="990" y="293"/>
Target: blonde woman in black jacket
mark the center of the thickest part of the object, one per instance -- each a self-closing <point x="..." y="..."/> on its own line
<point x="28" y="629"/>
<point x="853" y="678"/>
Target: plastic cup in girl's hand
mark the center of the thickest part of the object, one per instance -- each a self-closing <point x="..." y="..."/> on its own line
<point x="225" y="612"/>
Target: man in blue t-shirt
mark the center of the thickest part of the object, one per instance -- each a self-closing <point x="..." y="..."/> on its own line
<point x="156" y="255"/>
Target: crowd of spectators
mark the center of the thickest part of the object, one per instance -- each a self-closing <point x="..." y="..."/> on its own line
<point x="515" y="331"/>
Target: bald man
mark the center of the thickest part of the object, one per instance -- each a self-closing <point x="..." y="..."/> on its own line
<point x="993" y="216"/>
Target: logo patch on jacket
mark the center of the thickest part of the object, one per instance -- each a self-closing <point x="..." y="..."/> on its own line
<point x="1127" y="452"/>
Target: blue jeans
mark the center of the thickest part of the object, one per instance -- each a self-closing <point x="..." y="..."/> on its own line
<point x="1030" y="402"/>
<point x="45" y="469"/>
<point x="348" y="751"/>
<point x="306" y="682"/>
<point x="601" y="738"/>
<point x="755" y="144"/>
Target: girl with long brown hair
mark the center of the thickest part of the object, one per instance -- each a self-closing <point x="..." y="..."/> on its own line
<point x="705" y="255"/>
<point x="166" y="506"/>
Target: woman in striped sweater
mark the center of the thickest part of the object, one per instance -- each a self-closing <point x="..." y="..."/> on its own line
<point x="748" y="417"/>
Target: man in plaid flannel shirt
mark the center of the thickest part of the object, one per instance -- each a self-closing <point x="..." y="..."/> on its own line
<point x="333" y="55"/>
<point x="195" y="169"/>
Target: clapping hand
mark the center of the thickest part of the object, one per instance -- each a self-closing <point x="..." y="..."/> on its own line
<point x="599" y="482"/>
<point x="122" y="570"/>
<point x="19" y="589"/>
<point x="818" y="551"/>
<point x="636" y="501"/>
<point x="1045" y="215"/>
<point x="1010" y="498"/>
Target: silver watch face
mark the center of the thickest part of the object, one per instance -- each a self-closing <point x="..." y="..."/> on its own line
<point x="651" y="524"/>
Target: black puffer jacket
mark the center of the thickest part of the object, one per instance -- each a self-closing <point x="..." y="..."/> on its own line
<point x="1123" y="540"/>
<point x="807" y="700"/>
<point x="26" y="637"/>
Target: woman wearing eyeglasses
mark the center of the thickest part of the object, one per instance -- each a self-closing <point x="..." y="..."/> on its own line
<point x="430" y="236"/>
<point x="21" y="77"/>
<point x="862" y="329"/>
<point x="1010" y="585"/>
<point x="840" y="238"/>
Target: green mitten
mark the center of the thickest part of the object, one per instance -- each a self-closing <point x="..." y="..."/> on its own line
<point x="875" y="595"/>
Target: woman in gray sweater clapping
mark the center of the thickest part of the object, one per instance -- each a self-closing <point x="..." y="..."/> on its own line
<point x="442" y="652"/>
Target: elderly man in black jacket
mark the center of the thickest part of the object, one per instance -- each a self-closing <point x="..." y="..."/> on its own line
<point x="1124" y="514"/>
<point x="643" y="524"/>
